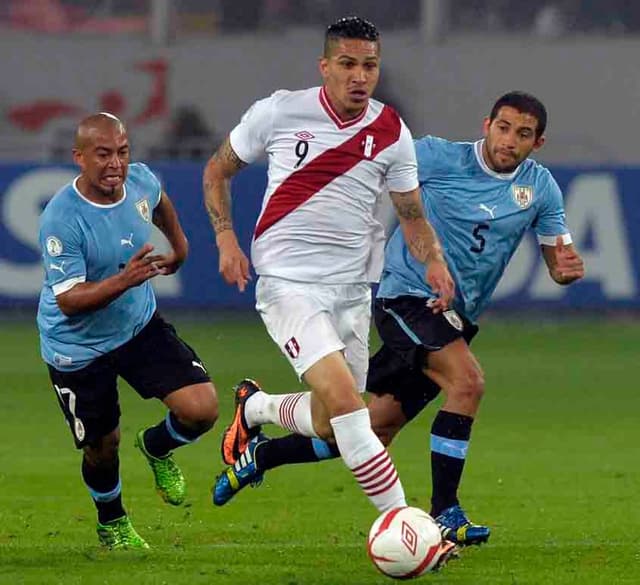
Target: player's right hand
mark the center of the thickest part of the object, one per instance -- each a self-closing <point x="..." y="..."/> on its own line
<point x="441" y="283"/>
<point x="140" y="267"/>
<point x="234" y="265"/>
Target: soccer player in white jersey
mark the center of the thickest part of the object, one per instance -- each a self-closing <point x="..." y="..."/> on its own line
<point x="98" y="320"/>
<point x="331" y="150"/>
<point x="481" y="197"/>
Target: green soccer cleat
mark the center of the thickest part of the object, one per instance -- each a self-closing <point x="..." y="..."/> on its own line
<point x="170" y="482"/>
<point x="120" y="534"/>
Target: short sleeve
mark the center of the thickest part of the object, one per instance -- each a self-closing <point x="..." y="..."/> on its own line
<point x="402" y="174"/>
<point x="551" y="220"/>
<point x="249" y="138"/>
<point x="426" y="155"/>
<point x="155" y="186"/>
<point x="62" y="255"/>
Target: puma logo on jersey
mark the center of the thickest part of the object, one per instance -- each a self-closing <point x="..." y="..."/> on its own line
<point x="489" y="210"/>
<point x="127" y="241"/>
<point x="58" y="267"/>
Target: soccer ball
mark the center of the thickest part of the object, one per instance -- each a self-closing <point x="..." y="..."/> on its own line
<point x="406" y="542"/>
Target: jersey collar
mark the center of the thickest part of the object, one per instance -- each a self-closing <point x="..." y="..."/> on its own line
<point x="328" y="108"/>
<point x="99" y="205"/>
<point x="477" y="150"/>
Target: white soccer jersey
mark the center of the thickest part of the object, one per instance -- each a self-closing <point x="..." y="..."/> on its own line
<point x="325" y="175"/>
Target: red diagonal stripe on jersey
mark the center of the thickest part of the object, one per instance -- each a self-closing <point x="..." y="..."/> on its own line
<point x="304" y="183"/>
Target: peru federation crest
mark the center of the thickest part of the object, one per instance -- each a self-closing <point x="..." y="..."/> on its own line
<point x="522" y="195"/>
<point x="143" y="209"/>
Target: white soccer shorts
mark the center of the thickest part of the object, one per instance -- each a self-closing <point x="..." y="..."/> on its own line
<point x="310" y="321"/>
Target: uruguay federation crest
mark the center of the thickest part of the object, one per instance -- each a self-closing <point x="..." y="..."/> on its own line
<point x="454" y="319"/>
<point x="522" y="195"/>
<point x="143" y="209"/>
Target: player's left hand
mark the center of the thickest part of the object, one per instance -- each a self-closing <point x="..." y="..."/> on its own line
<point x="569" y="266"/>
<point x="167" y="263"/>
<point x="440" y="281"/>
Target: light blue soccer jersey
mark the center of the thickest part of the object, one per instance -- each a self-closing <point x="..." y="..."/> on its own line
<point x="480" y="217"/>
<point x="82" y="241"/>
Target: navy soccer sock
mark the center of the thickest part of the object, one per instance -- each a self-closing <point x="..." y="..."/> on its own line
<point x="450" y="435"/>
<point x="169" y="434"/>
<point x="293" y="449"/>
<point x="104" y="486"/>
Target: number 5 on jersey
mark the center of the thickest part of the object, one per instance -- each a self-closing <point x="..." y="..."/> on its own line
<point x="477" y="234"/>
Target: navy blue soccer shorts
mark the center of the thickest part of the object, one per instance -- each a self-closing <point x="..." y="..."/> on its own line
<point x="155" y="362"/>
<point x="409" y="330"/>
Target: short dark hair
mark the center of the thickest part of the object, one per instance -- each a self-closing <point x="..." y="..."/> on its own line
<point x="350" y="27"/>
<point x="525" y="103"/>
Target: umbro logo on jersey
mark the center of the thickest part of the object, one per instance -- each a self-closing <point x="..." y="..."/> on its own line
<point x="127" y="241"/>
<point x="304" y="135"/>
<point x="292" y="347"/>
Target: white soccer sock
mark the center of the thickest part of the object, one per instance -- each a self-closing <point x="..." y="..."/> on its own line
<point x="368" y="460"/>
<point x="290" y="411"/>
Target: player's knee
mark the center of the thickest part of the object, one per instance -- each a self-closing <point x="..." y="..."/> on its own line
<point x="199" y="420"/>
<point x="197" y="410"/>
<point x="469" y="385"/>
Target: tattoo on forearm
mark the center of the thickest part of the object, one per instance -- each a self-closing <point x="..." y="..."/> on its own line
<point x="217" y="197"/>
<point x="219" y="221"/>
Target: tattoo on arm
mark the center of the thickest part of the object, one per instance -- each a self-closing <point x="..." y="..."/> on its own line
<point x="217" y="193"/>
<point x="406" y="207"/>
<point x="219" y="223"/>
<point x="228" y="158"/>
<point x="419" y="235"/>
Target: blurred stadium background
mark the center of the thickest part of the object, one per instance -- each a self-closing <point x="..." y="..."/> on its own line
<point x="181" y="73"/>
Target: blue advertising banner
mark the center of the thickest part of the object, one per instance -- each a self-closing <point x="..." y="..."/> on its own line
<point x="602" y="205"/>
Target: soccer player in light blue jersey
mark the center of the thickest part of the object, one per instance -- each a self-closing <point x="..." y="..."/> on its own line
<point x="98" y="320"/>
<point x="481" y="198"/>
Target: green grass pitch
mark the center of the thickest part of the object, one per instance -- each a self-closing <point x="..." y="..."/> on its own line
<point x="553" y="467"/>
